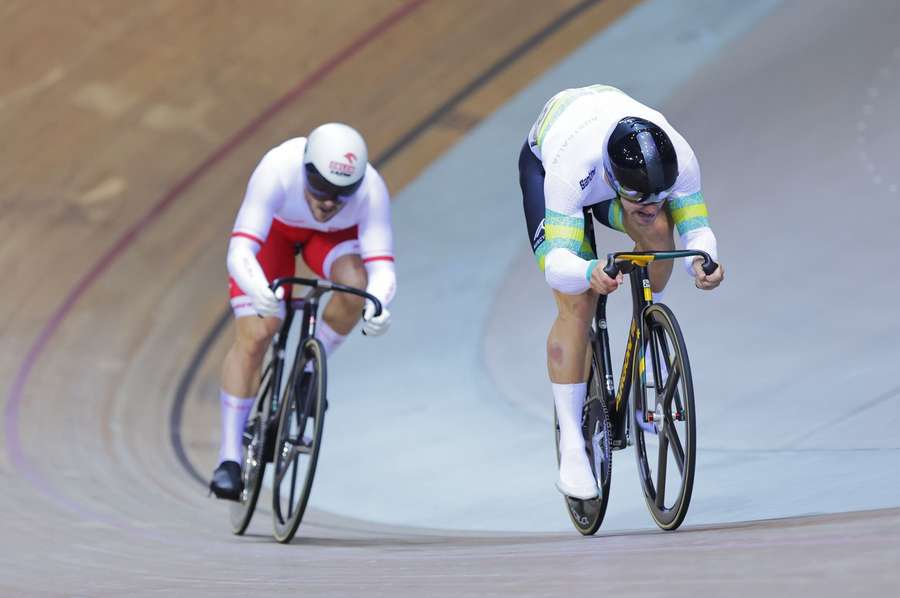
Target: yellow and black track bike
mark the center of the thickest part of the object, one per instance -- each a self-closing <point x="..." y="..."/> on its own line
<point x="653" y="406"/>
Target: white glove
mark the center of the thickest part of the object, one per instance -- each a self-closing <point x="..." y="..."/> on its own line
<point x="372" y="325"/>
<point x="264" y="301"/>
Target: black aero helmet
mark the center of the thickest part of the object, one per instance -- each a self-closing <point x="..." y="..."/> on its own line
<point x="641" y="156"/>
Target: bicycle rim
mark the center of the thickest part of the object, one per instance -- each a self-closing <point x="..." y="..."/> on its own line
<point x="587" y="515"/>
<point x="300" y="424"/>
<point x="665" y="446"/>
<point x="253" y="464"/>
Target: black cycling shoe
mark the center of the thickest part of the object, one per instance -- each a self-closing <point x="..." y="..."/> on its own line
<point x="226" y="481"/>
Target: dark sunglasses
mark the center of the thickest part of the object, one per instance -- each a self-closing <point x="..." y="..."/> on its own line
<point x="633" y="195"/>
<point x="323" y="189"/>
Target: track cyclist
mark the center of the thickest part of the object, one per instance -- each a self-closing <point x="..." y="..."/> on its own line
<point x="318" y="192"/>
<point x="596" y="150"/>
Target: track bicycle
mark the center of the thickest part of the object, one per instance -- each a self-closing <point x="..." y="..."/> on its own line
<point x="653" y="406"/>
<point x="287" y="419"/>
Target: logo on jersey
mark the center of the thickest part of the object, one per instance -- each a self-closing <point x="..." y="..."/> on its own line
<point x="344" y="168"/>
<point x="538" y="237"/>
<point x="587" y="180"/>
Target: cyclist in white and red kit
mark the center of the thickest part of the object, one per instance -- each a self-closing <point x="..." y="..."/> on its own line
<point x="321" y="194"/>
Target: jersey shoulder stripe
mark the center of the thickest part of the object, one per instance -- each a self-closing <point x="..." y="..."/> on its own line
<point x="558" y="104"/>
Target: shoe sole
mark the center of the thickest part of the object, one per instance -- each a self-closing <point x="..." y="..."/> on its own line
<point x="570" y="494"/>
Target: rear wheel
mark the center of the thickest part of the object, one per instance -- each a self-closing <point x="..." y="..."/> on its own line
<point x="587" y="515"/>
<point x="665" y="421"/>
<point x="300" y="424"/>
<point x="253" y="464"/>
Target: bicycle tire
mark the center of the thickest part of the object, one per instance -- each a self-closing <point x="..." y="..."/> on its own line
<point x="674" y="425"/>
<point x="300" y="404"/>
<point x="253" y="464"/>
<point x="587" y="515"/>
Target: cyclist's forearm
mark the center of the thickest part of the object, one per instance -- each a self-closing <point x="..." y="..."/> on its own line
<point x="699" y="239"/>
<point x="691" y="218"/>
<point x="566" y="272"/>
<point x="243" y="265"/>
<point x="382" y="279"/>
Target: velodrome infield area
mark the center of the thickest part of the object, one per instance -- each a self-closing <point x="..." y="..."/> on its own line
<point x="130" y="130"/>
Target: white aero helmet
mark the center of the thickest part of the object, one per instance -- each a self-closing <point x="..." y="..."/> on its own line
<point x="335" y="159"/>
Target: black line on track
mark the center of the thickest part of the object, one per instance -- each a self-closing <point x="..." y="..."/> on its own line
<point x="184" y="385"/>
<point x="187" y="378"/>
<point x="482" y="79"/>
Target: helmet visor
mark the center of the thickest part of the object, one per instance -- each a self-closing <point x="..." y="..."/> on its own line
<point x="632" y="194"/>
<point x="322" y="188"/>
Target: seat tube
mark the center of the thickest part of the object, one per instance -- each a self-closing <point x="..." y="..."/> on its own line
<point x="310" y="312"/>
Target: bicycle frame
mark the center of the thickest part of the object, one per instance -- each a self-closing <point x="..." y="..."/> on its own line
<point x="616" y="398"/>
<point x="635" y="264"/>
<point x="309" y="315"/>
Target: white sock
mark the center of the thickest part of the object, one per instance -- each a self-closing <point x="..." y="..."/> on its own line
<point x="331" y="340"/>
<point x="569" y="401"/>
<point x="658" y="297"/>
<point x="235" y="412"/>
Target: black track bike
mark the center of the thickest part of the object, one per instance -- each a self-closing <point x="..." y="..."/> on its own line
<point x="287" y="418"/>
<point x="653" y="406"/>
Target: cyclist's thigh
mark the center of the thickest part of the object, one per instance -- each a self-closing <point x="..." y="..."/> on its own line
<point x="324" y="248"/>
<point x="531" y="181"/>
<point x="349" y="270"/>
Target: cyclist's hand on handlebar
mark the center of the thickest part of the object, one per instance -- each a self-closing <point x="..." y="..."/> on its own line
<point x="375" y="325"/>
<point x="704" y="281"/>
<point x="602" y="283"/>
<point x="264" y="301"/>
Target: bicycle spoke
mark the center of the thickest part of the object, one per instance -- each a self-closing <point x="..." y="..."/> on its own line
<point x="670" y="389"/>
<point x="677" y="448"/>
<point x="661" y="468"/>
<point x="281" y="471"/>
<point x="664" y="349"/>
<point x="293" y="484"/>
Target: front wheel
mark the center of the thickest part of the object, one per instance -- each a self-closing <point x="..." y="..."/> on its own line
<point x="587" y="515"/>
<point x="665" y="421"/>
<point x="254" y="462"/>
<point x="300" y="423"/>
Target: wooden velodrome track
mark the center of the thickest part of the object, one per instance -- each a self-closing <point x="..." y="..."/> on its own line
<point x="129" y="132"/>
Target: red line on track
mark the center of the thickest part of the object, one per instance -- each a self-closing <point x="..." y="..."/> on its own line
<point x="16" y="395"/>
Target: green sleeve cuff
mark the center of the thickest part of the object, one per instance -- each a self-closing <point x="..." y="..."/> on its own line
<point x="590" y="269"/>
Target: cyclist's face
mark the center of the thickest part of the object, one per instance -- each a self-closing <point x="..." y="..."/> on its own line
<point x="643" y="213"/>
<point x="323" y="206"/>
